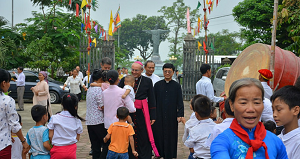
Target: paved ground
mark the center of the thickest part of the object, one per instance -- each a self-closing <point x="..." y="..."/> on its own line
<point x="83" y="146"/>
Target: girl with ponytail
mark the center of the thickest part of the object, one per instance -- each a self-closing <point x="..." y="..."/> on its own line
<point x="65" y="129"/>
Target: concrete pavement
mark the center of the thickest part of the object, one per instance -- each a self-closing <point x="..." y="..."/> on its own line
<point x="83" y="146"/>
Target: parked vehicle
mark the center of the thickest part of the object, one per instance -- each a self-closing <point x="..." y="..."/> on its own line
<point x="31" y="79"/>
<point x="219" y="81"/>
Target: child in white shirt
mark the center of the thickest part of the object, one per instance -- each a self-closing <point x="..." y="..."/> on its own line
<point x="17" y="147"/>
<point x="129" y="84"/>
<point x="285" y="105"/>
<point x="65" y="129"/>
<point x="200" y="132"/>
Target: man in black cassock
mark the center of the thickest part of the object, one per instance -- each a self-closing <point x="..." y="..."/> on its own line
<point x="169" y="112"/>
<point x="143" y="91"/>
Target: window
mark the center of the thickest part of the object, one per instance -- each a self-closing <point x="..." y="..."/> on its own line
<point x="30" y="77"/>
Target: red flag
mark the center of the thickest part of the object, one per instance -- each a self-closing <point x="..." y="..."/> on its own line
<point x="90" y="40"/>
<point x="209" y="9"/>
<point x="85" y="18"/>
<point x="70" y="3"/>
<point x="217" y="2"/>
<point x="105" y="35"/>
<point x="204" y="48"/>
<point x="77" y="9"/>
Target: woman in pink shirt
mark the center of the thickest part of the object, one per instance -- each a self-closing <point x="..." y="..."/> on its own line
<point x="112" y="99"/>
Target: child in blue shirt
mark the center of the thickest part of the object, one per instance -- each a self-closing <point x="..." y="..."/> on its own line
<point x="38" y="136"/>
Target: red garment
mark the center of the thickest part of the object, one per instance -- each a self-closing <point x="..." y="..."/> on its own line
<point x="63" y="152"/>
<point x="259" y="135"/>
<point x="6" y="153"/>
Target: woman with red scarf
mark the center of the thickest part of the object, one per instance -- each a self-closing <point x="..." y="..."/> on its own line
<point x="247" y="138"/>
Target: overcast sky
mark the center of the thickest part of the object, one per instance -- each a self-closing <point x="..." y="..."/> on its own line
<point x="129" y="9"/>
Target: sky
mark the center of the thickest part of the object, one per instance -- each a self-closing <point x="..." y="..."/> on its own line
<point x="129" y="9"/>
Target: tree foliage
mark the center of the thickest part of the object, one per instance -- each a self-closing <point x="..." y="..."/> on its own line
<point x="256" y="16"/>
<point x="289" y="18"/>
<point x="226" y="43"/>
<point x="175" y="16"/>
<point x="132" y="36"/>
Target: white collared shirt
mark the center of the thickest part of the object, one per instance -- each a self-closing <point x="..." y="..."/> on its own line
<point x="205" y="87"/>
<point x="66" y="127"/>
<point x="267" y="113"/>
<point x="80" y="75"/>
<point x="291" y="141"/>
<point x="198" y="136"/>
<point x="9" y="120"/>
<point x="153" y="77"/>
<point x="218" y="129"/>
<point x="74" y="88"/>
<point x="85" y="81"/>
<point x="268" y="91"/>
<point x="193" y="116"/>
<point x="188" y="126"/>
<point x="20" y="79"/>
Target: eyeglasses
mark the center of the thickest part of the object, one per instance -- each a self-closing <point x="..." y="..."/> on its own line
<point x="133" y="70"/>
<point x="169" y="72"/>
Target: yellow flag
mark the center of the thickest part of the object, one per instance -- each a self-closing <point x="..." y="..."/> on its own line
<point x="199" y="45"/>
<point x="83" y="3"/>
<point x="207" y="2"/>
<point x="95" y="42"/>
<point x="82" y="15"/>
<point x="110" y="24"/>
<point x="24" y="34"/>
<point x="212" y="5"/>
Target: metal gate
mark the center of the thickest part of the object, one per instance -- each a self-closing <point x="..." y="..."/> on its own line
<point x="192" y="61"/>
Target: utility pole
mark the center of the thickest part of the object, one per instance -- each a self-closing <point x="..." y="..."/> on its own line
<point x="12" y="13"/>
<point x="273" y="43"/>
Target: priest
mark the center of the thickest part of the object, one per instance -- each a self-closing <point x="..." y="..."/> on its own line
<point x="145" y="114"/>
<point x="169" y="112"/>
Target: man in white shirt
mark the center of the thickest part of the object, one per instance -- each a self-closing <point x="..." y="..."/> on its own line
<point x="20" y="82"/>
<point x="80" y="75"/>
<point x="150" y="67"/>
<point x="204" y="85"/>
<point x="86" y="79"/>
<point x="264" y="76"/>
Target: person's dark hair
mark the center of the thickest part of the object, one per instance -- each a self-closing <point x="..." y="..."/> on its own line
<point x="104" y="75"/>
<point x="122" y="113"/>
<point x="97" y="74"/>
<point x="204" y="68"/>
<point x="194" y="99"/>
<point x="203" y="106"/>
<point x="227" y="108"/>
<point x="176" y="70"/>
<point x="119" y="68"/>
<point x="270" y="125"/>
<point x="106" y="60"/>
<point x="297" y="83"/>
<point x="148" y="61"/>
<point x="289" y="95"/>
<point x="21" y="68"/>
<point x="244" y="82"/>
<point x="37" y="112"/>
<point x="4" y="76"/>
<point x="168" y="65"/>
<point x="69" y="102"/>
<point x="123" y="67"/>
<point x="20" y="118"/>
<point x="112" y="76"/>
<point x="74" y="70"/>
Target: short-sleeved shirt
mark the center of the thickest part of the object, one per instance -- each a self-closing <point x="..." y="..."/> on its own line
<point x="74" y="82"/>
<point x="131" y="94"/>
<point x="94" y="116"/>
<point x="36" y="136"/>
<point x="120" y="133"/>
<point x="291" y="141"/>
<point x="66" y="127"/>
<point x="16" y="148"/>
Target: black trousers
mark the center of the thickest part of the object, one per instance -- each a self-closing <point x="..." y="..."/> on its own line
<point x="96" y="134"/>
<point x="79" y="95"/>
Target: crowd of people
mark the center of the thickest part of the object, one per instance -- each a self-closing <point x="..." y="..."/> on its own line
<point x="137" y="115"/>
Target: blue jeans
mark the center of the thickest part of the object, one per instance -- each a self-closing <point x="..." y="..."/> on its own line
<point x="114" y="155"/>
<point x="191" y="156"/>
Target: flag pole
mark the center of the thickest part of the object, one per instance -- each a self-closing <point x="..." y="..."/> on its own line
<point x="273" y="43"/>
<point x="205" y="28"/>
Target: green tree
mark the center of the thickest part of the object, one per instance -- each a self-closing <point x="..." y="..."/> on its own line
<point x="226" y="43"/>
<point x="175" y="16"/>
<point x="289" y="18"/>
<point x="132" y="36"/>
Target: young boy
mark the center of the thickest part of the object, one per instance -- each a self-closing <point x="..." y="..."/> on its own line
<point x="200" y="132"/>
<point x="271" y="126"/>
<point x="219" y="128"/>
<point x="17" y="147"/>
<point x="120" y="133"/>
<point x="285" y="105"/>
<point x="129" y="84"/>
<point x="38" y="136"/>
